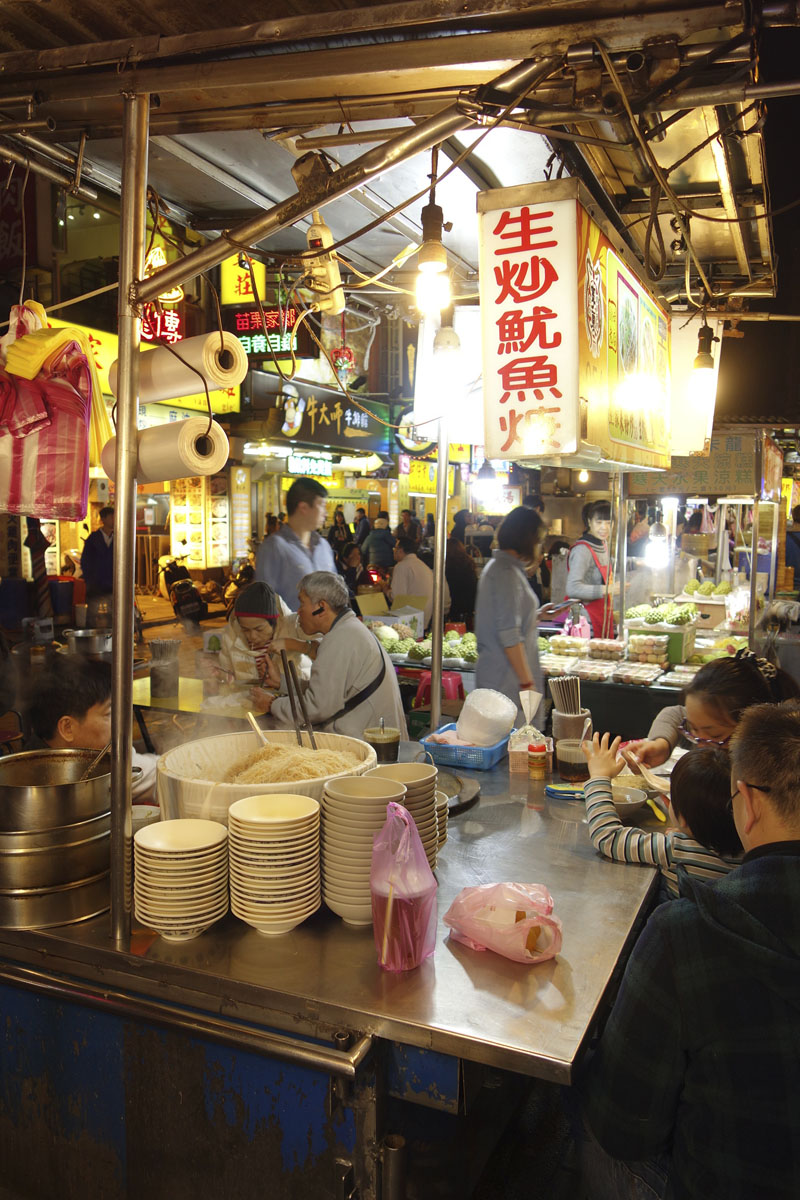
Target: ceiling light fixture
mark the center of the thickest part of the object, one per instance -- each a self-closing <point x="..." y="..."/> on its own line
<point x="433" y="280"/>
<point x="487" y="472"/>
<point x="702" y="380"/>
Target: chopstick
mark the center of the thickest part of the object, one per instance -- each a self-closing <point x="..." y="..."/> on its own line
<point x="292" y="699"/>
<point x="302" y="702"/>
<point x="566" y="693"/>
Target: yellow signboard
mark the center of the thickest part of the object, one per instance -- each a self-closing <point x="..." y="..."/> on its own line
<point x="235" y="285"/>
<point x="105" y="349"/>
<point x="422" y="477"/>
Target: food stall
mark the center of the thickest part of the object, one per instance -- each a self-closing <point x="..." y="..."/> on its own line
<point x="173" y="1067"/>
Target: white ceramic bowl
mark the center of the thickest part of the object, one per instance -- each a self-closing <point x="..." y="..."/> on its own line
<point x="275" y="809"/>
<point x="183" y="836"/>
<point x="351" y="914"/>
<point x="413" y="775"/>
<point x="627" y="800"/>
<point x="354" y="788"/>
<point x="190" y="776"/>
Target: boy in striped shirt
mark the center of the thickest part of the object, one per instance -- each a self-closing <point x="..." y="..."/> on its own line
<point x="704" y="840"/>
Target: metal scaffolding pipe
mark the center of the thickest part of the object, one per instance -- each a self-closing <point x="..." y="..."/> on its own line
<point x="728" y="93"/>
<point x="39" y="168"/>
<point x="439" y="544"/>
<point x="131" y="265"/>
<point x="22" y="126"/>
<point x="50" y="150"/>
<point x="367" y="166"/>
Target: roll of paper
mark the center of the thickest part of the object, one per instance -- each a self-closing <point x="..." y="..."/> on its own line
<point x="163" y="377"/>
<point x="174" y="451"/>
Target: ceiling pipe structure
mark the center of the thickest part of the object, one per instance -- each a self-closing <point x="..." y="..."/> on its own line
<point x="375" y="162"/>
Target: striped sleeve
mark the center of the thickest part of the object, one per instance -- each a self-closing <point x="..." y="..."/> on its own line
<point x="699" y="860"/>
<point x="623" y="843"/>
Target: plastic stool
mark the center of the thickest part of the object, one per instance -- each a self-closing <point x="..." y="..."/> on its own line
<point x="452" y="687"/>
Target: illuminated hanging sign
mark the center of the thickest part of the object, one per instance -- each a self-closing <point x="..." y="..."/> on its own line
<point x="162" y="324"/>
<point x="279" y="333"/>
<point x="157" y="258"/>
<point x="235" y="285"/>
<point x="304" y="464"/>
<point x="575" y="350"/>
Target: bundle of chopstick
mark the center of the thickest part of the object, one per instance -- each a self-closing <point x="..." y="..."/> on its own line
<point x="566" y="693"/>
<point x="164" y="647"/>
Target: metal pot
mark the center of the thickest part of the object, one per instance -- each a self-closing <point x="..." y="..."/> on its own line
<point x="41" y="789"/>
<point x="88" y="641"/>
<point x="42" y="908"/>
<point x="63" y="861"/>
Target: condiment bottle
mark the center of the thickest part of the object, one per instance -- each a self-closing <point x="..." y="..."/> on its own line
<point x="537" y="761"/>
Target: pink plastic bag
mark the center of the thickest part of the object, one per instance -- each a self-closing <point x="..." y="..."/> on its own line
<point x="403" y="894"/>
<point x="513" y="919"/>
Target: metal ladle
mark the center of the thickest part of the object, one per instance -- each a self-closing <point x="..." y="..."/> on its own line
<point x="94" y="763"/>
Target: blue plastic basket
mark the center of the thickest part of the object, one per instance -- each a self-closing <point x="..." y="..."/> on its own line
<point x="476" y="758"/>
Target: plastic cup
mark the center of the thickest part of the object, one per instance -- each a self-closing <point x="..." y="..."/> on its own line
<point x="571" y="761"/>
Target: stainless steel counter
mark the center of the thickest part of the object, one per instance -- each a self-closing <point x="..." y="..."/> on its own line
<point x="323" y="977"/>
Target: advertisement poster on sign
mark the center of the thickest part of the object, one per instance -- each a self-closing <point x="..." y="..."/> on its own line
<point x="623" y="355"/>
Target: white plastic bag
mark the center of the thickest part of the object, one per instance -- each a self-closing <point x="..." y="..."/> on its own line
<point x="486" y="718"/>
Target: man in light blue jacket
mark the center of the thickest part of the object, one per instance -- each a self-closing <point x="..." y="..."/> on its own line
<point x="297" y="548"/>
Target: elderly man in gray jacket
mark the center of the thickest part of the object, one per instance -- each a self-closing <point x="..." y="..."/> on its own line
<point x="352" y="683"/>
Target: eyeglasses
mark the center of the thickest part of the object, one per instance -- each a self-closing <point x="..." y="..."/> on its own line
<point x="756" y="787"/>
<point x="691" y="736"/>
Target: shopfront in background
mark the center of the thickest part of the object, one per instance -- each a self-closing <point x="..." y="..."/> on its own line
<point x="298" y="428"/>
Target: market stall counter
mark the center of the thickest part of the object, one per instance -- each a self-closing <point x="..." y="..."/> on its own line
<point x="275" y="1057"/>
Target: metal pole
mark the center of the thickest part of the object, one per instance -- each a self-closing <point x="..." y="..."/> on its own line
<point x="622" y="544"/>
<point x="751" y="632"/>
<point x="373" y="163"/>
<point x="439" y="544"/>
<point x="131" y="266"/>
<point x="722" y="535"/>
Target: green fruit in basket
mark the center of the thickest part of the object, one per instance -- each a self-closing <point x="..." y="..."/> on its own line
<point x="470" y="654"/>
<point x="469" y="639"/>
<point x="691" y="587"/>
<point x="544" y="645"/>
<point x="654" y="617"/>
<point x="419" y="650"/>
<point x="452" y="635"/>
<point x="637" y="612"/>
<point x="706" y="587"/>
<point x="722" y="589"/>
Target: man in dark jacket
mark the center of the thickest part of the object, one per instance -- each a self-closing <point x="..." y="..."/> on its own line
<point x="363" y="527"/>
<point x="97" y="563"/>
<point x="694" y="1090"/>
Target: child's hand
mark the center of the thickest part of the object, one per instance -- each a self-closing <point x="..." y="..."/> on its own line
<point x="602" y="758"/>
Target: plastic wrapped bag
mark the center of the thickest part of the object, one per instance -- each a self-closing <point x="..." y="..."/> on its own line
<point x="513" y="919"/>
<point x="486" y="718"/>
<point x="403" y="894"/>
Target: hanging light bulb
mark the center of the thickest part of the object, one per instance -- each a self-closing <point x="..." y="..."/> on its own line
<point x="433" y="280"/>
<point x="702" y="388"/>
<point x="583" y="476"/>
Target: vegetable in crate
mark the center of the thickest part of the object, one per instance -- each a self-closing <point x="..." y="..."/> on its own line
<point x="386" y="634"/>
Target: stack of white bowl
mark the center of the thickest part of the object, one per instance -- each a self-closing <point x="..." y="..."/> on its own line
<point x="353" y="811"/>
<point x="442" y="815"/>
<point x="274" y="860"/>
<point x="180" y="884"/>
<point x="420" y="784"/>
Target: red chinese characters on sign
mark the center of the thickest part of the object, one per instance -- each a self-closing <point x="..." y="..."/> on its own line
<point x="161" y="324"/>
<point x="522" y="277"/>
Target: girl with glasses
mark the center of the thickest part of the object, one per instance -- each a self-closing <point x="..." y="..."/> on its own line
<point x="713" y="703"/>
